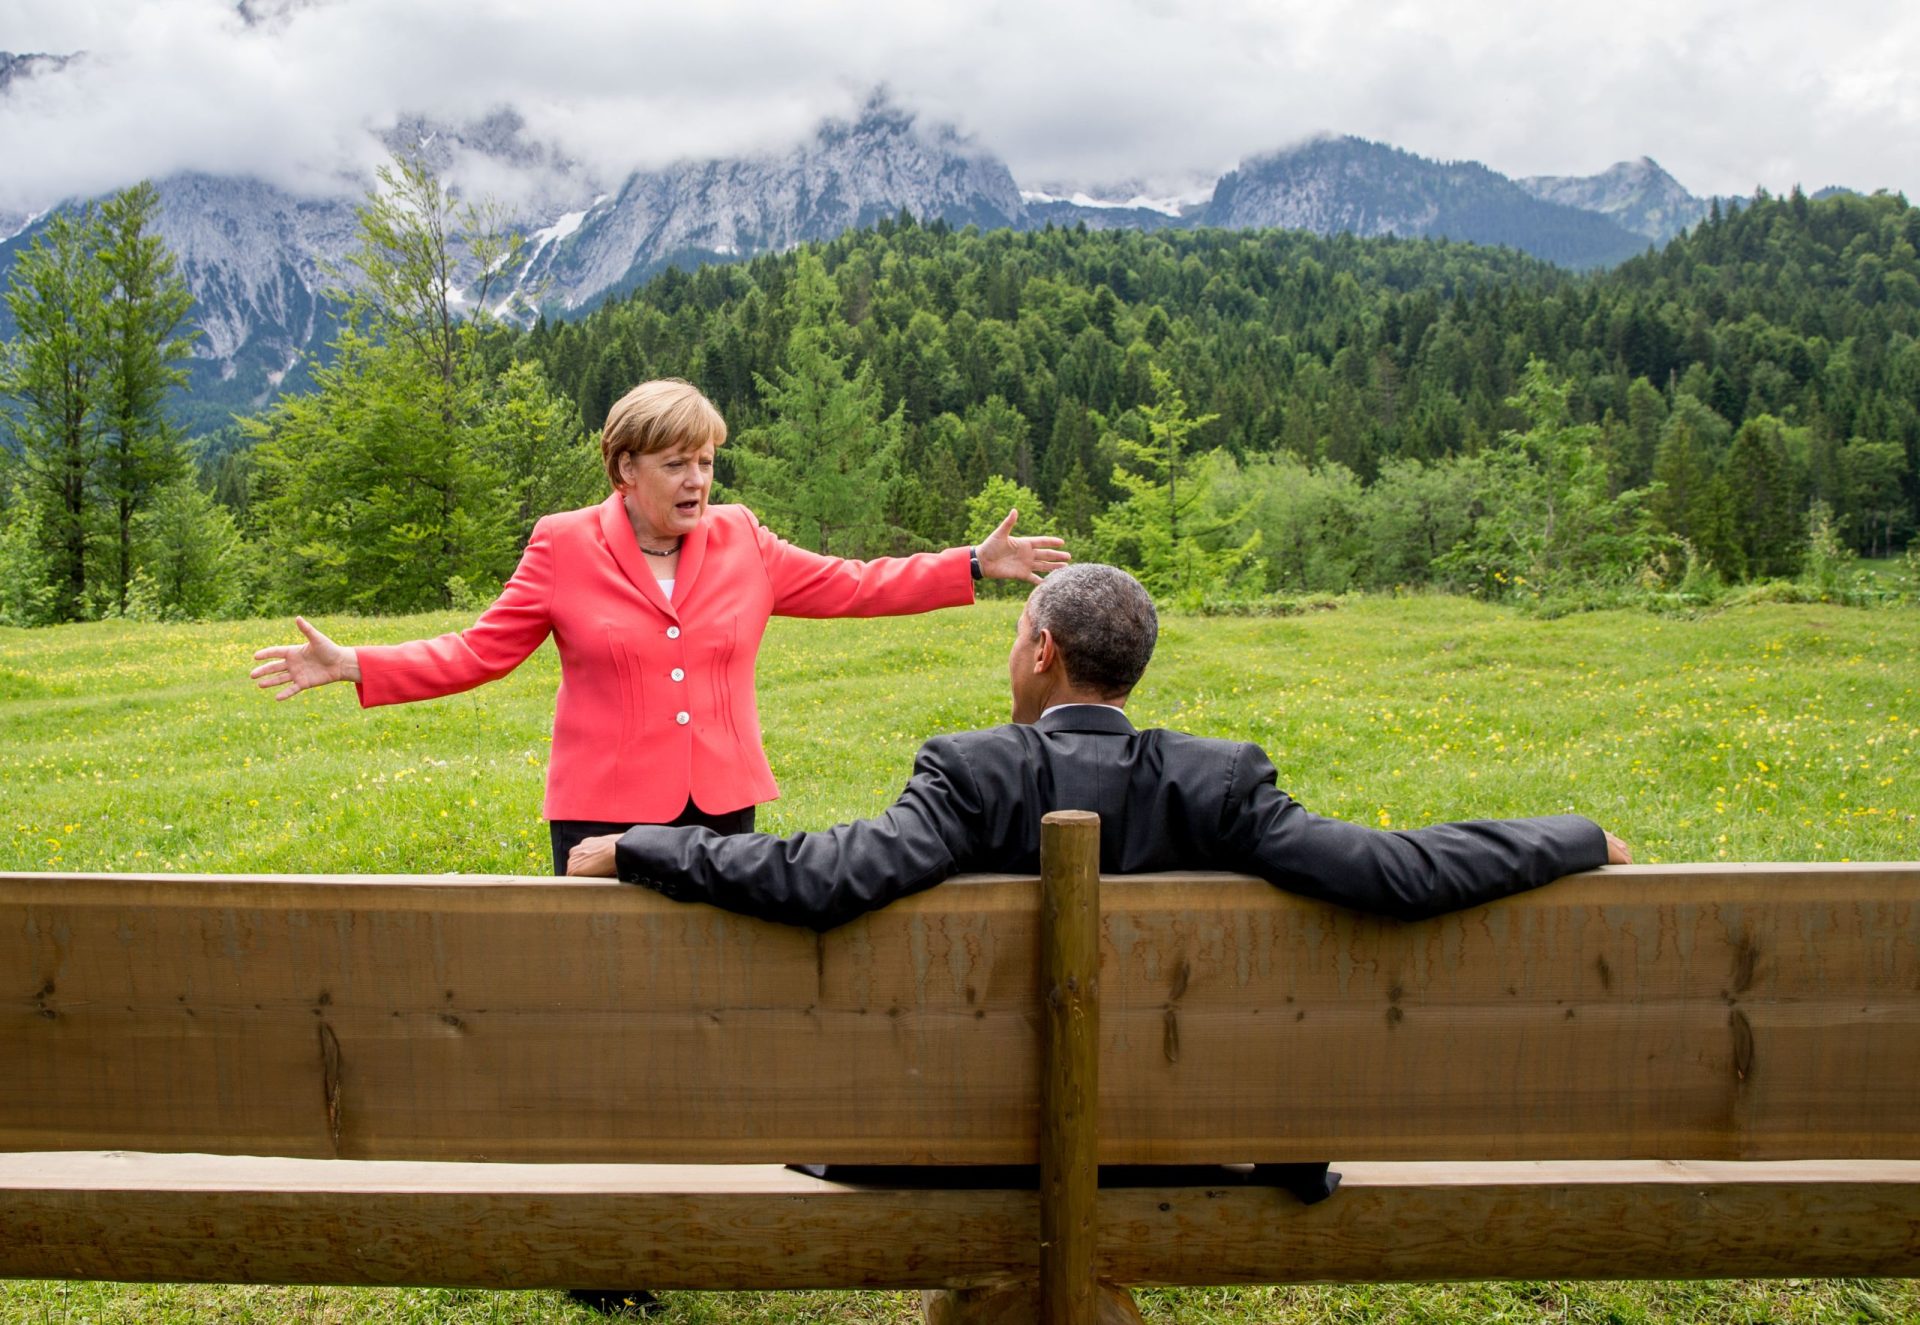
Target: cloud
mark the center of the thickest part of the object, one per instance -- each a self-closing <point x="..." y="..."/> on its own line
<point x="295" y="91"/>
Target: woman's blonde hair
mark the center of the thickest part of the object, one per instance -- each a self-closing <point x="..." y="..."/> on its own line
<point x="667" y="415"/>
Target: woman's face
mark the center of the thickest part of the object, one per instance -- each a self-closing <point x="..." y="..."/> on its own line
<point x="666" y="491"/>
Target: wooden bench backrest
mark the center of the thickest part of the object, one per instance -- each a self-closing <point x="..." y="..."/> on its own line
<point x="1706" y="1012"/>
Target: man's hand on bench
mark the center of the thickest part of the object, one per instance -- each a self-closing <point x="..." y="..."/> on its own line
<point x="593" y="857"/>
<point x="1618" y="853"/>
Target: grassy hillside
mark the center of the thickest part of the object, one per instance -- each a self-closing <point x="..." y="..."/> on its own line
<point x="1768" y="733"/>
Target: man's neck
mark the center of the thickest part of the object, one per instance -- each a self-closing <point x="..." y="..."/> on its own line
<point x="1073" y="694"/>
<point x="1083" y="703"/>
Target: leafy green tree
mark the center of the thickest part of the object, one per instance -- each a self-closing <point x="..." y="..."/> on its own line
<point x="26" y="585"/>
<point x="1681" y="474"/>
<point x="368" y="498"/>
<point x="52" y="373"/>
<point x="532" y="438"/>
<point x="1310" y="519"/>
<point x="191" y="562"/>
<point x="1549" y="523"/>
<point x="382" y="486"/>
<point x="1874" y="510"/>
<point x="1415" y="512"/>
<point x="145" y="340"/>
<point x="427" y="265"/>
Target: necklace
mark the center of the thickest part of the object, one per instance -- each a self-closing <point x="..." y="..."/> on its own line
<point x="669" y="552"/>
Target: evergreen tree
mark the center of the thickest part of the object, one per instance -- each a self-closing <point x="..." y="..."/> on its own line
<point x="822" y="468"/>
<point x="1646" y="411"/>
<point x="1680" y="477"/>
<point x="52" y="373"/>
<point x="1076" y="503"/>
<point x="1766" y="522"/>
<point x="146" y="306"/>
<point x="1163" y="528"/>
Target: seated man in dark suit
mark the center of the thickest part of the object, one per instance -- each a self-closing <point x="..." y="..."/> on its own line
<point x="1166" y="801"/>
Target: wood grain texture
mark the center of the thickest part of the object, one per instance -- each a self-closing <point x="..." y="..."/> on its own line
<point x="1069" y="1071"/>
<point x="1705" y="1012"/>
<point x="201" y="1218"/>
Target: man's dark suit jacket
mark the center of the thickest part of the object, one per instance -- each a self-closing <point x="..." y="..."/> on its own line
<point x="1166" y="801"/>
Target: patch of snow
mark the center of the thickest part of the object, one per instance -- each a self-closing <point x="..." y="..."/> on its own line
<point x="24" y="225"/>
<point x="559" y="230"/>
<point x="1139" y="202"/>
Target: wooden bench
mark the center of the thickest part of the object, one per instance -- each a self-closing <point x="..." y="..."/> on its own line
<point x="1697" y="1071"/>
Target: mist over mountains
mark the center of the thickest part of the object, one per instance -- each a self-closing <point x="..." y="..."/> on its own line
<point x="259" y="259"/>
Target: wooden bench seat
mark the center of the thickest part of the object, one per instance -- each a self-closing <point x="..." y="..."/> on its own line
<point x="228" y="1219"/>
<point x="1643" y="1071"/>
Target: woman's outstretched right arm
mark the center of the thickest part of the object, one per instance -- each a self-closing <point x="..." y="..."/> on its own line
<point x="397" y="673"/>
<point x="297" y="667"/>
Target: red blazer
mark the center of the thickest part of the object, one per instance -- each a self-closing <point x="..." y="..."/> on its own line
<point x="656" y="698"/>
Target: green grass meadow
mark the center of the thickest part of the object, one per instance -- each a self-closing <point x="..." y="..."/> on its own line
<point x="1773" y="732"/>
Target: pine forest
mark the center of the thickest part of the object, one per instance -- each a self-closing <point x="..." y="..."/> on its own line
<point x="1243" y="418"/>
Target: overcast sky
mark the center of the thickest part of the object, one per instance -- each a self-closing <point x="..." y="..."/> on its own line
<point x="1724" y="95"/>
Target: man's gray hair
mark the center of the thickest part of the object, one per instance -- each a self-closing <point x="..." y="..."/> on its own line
<point x="1102" y="621"/>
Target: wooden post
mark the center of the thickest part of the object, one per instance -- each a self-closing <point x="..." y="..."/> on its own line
<point x="1070" y="1073"/>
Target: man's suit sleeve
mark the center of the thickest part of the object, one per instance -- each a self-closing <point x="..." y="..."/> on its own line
<point x="1408" y="875"/>
<point x="821" y="879"/>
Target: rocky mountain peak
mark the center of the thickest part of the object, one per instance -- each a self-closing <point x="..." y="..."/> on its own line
<point x="31" y="64"/>
<point x="1350" y="185"/>
<point x="1637" y="194"/>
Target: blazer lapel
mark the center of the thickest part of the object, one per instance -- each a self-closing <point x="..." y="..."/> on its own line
<point x="618" y="531"/>
<point x="693" y="554"/>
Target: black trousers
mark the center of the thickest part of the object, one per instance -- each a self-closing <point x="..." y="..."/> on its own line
<point x="570" y="833"/>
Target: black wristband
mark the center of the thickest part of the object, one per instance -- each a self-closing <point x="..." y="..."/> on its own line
<point x="973" y="561"/>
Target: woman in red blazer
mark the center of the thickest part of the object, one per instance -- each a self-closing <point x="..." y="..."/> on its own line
<point x="657" y="603"/>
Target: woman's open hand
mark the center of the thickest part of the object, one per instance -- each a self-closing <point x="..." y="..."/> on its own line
<point x="1004" y="557"/>
<point x="297" y="667"/>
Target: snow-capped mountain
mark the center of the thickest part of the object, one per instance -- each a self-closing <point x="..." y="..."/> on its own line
<point x="260" y="260"/>
<point x="849" y="174"/>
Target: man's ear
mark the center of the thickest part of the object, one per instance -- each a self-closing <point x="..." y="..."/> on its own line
<point x="1046" y="655"/>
